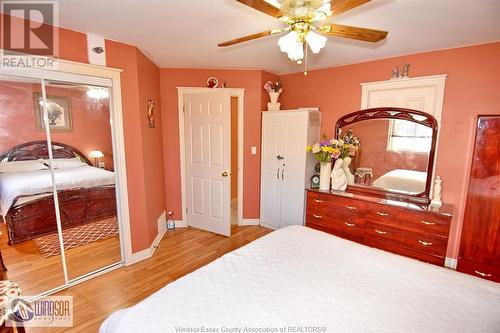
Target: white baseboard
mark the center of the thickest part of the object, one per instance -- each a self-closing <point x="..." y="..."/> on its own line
<point x="249" y="222"/>
<point x="147" y="253"/>
<point x="180" y="224"/>
<point x="269" y="226"/>
<point x="450" y="263"/>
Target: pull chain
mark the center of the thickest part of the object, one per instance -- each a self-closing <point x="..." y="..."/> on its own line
<point x="305" y="59"/>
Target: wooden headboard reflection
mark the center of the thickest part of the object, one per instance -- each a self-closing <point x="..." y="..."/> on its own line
<point x="35" y="150"/>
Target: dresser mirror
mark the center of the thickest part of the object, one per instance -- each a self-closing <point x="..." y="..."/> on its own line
<point x="395" y="155"/>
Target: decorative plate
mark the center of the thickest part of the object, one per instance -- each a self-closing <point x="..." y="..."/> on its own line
<point x="212" y="82"/>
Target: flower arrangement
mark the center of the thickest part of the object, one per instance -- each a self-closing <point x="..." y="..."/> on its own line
<point x="350" y="144"/>
<point x="271" y="87"/>
<point x="326" y="150"/>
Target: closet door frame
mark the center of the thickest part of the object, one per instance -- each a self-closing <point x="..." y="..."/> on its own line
<point x="75" y="72"/>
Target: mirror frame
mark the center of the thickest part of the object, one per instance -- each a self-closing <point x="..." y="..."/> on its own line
<point x="401" y="114"/>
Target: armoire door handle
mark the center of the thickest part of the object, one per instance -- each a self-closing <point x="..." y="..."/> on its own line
<point x="282" y="174"/>
<point x="278" y="173"/>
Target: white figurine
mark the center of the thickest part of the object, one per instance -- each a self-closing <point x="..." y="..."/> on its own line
<point x="348" y="173"/>
<point x="436" y="201"/>
<point x="339" y="179"/>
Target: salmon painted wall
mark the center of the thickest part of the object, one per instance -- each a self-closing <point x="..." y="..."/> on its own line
<point x="140" y="79"/>
<point x="472" y="88"/>
<point x="139" y="82"/>
<point x="90" y="119"/>
<point x="251" y="81"/>
<point x="152" y="148"/>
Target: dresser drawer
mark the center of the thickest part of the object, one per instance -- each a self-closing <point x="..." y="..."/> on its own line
<point x="481" y="270"/>
<point x="343" y="225"/>
<point x="409" y="220"/>
<point x="416" y="241"/>
<point x="335" y="204"/>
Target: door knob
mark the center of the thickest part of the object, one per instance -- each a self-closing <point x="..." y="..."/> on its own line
<point x="225" y="174"/>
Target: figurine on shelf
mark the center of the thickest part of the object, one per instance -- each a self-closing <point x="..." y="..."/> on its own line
<point x="339" y="179"/>
<point x="406" y="69"/>
<point x="436" y="201"/>
<point x="395" y="72"/>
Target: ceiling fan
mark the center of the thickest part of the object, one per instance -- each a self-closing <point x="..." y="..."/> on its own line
<point x="301" y="17"/>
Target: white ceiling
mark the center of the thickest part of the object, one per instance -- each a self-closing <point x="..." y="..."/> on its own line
<point x="185" y="33"/>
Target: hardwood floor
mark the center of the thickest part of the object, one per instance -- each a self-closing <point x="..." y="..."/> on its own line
<point x="181" y="251"/>
<point x="36" y="274"/>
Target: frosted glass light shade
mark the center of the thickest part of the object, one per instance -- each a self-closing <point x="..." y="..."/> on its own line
<point x="290" y="45"/>
<point x="315" y="41"/>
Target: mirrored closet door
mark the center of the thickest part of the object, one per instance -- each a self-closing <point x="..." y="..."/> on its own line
<point x="57" y="181"/>
<point x="80" y="127"/>
<point x="26" y="190"/>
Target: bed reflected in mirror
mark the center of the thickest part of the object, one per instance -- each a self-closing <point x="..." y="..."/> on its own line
<point x="395" y="152"/>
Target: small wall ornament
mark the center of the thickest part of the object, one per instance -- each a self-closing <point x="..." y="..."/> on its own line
<point x="403" y="74"/>
<point x="151" y="114"/>
<point x="212" y="82"/>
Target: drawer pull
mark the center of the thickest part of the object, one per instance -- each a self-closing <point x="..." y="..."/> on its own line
<point x="351" y="207"/>
<point x="482" y="274"/>
<point x="380" y="232"/>
<point x="427" y="223"/>
<point x="318" y="216"/>
<point x="349" y="224"/>
<point x="382" y="214"/>
<point x="425" y="243"/>
<point x="318" y="201"/>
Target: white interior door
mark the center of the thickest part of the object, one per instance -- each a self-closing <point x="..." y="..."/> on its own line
<point x="416" y="98"/>
<point x="420" y="93"/>
<point x="207" y="128"/>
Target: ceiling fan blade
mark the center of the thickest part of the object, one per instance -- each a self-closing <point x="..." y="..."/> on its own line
<point x="345" y="31"/>
<point x="263" y="7"/>
<point x="340" y="6"/>
<point x="250" y="37"/>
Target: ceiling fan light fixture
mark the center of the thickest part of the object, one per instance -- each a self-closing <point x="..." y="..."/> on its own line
<point x="315" y="41"/>
<point x="291" y="45"/>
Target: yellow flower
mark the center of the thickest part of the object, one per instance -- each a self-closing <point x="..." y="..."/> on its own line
<point x="309" y="148"/>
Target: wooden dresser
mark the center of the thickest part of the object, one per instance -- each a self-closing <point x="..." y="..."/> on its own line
<point x="480" y="244"/>
<point x="399" y="227"/>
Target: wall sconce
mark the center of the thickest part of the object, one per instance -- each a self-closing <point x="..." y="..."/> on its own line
<point x="96" y="154"/>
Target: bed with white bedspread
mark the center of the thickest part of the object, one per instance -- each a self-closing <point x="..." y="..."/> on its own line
<point x="298" y="277"/>
<point x="85" y="193"/>
<point x="404" y="181"/>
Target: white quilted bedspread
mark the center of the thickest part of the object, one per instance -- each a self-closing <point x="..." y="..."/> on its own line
<point x="299" y="279"/>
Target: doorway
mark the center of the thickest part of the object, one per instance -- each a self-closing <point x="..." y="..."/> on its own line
<point x="211" y="124"/>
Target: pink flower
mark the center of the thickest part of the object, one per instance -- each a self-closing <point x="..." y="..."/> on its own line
<point x="268" y="87"/>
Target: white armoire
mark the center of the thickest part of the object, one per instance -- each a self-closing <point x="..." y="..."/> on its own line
<point x="286" y="167"/>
